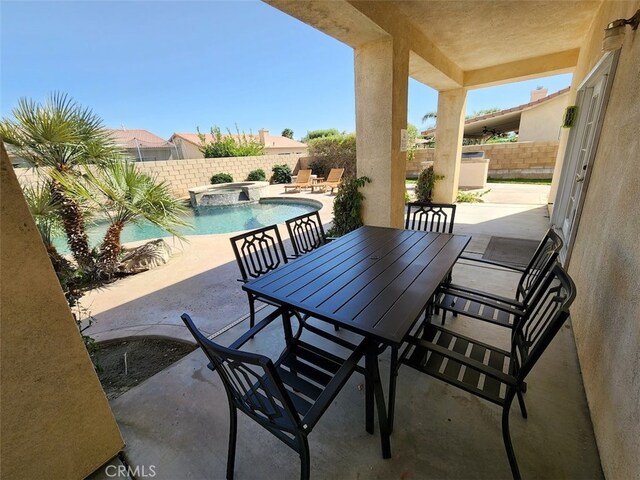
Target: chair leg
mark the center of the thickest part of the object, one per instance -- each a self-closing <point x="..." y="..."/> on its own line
<point x="233" y="430"/>
<point x="523" y="407"/>
<point x="506" y="436"/>
<point x="305" y="459"/>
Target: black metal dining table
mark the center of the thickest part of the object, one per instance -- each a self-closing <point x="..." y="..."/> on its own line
<point x="374" y="281"/>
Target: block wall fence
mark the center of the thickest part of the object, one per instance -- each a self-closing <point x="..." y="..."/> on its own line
<point x="506" y="160"/>
<point x="182" y="175"/>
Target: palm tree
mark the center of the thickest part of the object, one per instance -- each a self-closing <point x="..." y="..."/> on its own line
<point x="428" y="116"/>
<point x="45" y="215"/>
<point x="61" y="135"/>
<point x="124" y="195"/>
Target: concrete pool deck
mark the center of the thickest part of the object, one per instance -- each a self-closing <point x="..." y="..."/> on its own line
<point x="201" y="276"/>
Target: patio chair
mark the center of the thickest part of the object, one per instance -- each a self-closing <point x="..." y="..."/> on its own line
<point x="258" y="252"/>
<point x="430" y="217"/>
<point x="487" y="371"/>
<point x="306" y="233"/>
<point x="303" y="180"/>
<point x="332" y="181"/>
<point x="286" y="397"/>
<point x="494" y="308"/>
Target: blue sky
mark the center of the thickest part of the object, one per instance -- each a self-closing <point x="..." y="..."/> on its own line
<point x="169" y="66"/>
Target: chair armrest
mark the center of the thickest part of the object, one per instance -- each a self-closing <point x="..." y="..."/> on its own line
<point x="461" y="290"/>
<point x="491" y="262"/>
<point x="469" y="362"/>
<point x="516" y="310"/>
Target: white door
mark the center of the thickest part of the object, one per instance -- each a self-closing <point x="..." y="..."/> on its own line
<point x="581" y="148"/>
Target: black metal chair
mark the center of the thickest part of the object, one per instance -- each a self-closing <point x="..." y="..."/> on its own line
<point x="487" y="371"/>
<point x="258" y="252"/>
<point x="306" y="233"/>
<point x="287" y="397"/>
<point x="430" y="217"/>
<point x="494" y="308"/>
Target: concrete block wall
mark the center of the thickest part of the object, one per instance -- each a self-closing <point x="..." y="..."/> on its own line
<point x="181" y="175"/>
<point x="507" y="160"/>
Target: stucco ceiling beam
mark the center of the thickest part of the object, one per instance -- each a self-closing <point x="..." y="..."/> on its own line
<point x="552" y="64"/>
<point x="437" y="70"/>
<point x="337" y="19"/>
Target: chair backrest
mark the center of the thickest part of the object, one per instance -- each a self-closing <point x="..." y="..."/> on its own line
<point x="304" y="176"/>
<point x="539" y="266"/>
<point x="335" y="175"/>
<point x="258" y="251"/>
<point x="548" y="312"/>
<point x="251" y="382"/>
<point x="306" y="233"/>
<point x="430" y="217"/>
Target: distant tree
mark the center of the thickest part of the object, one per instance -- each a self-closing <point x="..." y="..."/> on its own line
<point x="412" y="138"/>
<point x="485" y="111"/>
<point x="328" y="132"/>
<point x="428" y="116"/>
<point x="229" y="145"/>
<point x="287" y="132"/>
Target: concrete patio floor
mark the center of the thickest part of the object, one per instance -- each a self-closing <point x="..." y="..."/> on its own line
<point x="201" y="275"/>
<point x="177" y="421"/>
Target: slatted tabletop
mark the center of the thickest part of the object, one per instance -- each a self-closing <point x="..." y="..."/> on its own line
<point x="374" y="281"/>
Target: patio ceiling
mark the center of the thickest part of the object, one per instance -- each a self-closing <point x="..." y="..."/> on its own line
<point x="461" y="43"/>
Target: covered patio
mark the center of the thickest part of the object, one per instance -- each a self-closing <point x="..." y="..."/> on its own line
<point x="178" y="420"/>
<point x="583" y="402"/>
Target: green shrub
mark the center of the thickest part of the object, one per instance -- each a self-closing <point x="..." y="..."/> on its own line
<point x="222" y="146"/>
<point x="471" y="197"/>
<point x="257" y="175"/>
<point x="313" y="134"/>
<point x="221" y="178"/>
<point x="281" y="173"/>
<point x="338" y="151"/>
<point x="347" y="207"/>
<point x="424" y="186"/>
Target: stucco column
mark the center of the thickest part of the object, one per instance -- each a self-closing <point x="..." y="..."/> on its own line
<point x="449" y="131"/>
<point x="382" y="83"/>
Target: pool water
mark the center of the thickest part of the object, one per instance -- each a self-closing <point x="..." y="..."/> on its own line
<point x="205" y="221"/>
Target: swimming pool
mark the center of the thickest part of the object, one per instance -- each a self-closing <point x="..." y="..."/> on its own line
<point x="209" y="220"/>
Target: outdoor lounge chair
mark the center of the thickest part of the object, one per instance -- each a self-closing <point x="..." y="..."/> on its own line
<point x="258" y="252"/>
<point x="306" y="233"/>
<point x="286" y="397"/>
<point x="332" y="181"/>
<point x="302" y="181"/>
<point x="487" y="371"/>
<point x="495" y="308"/>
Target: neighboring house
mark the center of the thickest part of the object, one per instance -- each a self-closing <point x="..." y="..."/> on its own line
<point x="143" y="145"/>
<point x="188" y="144"/>
<point x="537" y="121"/>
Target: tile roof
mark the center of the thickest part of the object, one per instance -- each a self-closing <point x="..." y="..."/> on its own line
<point x="134" y="138"/>
<point x="506" y="111"/>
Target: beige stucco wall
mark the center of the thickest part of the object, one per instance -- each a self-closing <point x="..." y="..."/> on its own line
<point x="507" y="160"/>
<point x="605" y="262"/>
<point x="55" y="419"/>
<point x="181" y="175"/>
<point x="542" y="123"/>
